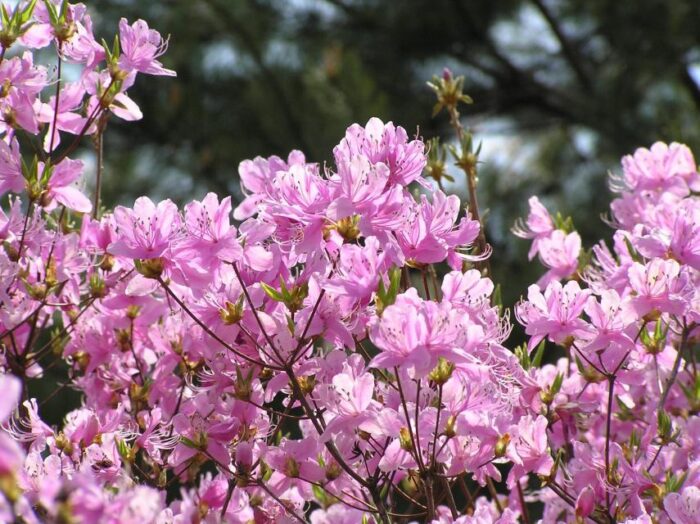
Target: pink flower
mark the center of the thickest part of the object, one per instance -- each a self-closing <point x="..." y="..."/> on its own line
<point x="66" y="118"/>
<point x="555" y="315"/>
<point x="384" y="143"/>
<point x="684" y="507"/>
<point x="257" y="181"/>
<point x="140" y="505"/>
<point x="585" y="502"/>
<point x="82" y="47"/>
<point x="336" y="514"/>
<point x="529" y="450"/>
<point x="351" y="403"/>
<point x="17" y="111"/>
<point x="59" y="188"/>
<point x="209" y="233"/>
<point x="359" y="185"/>
<point x="468" y="290"/>
<point x="141" y="47"/>
<point x="11" y="455"/>
<point x="414" y="333"/>
<point x="299" y="209"/>
<point x="539" y="226"/>
<point x="147" y="230"/>
<point x="119" y="104"/>
<point x="662" y="167"/>
<point x="610" y="319"/>
<point x="432" y="233"/>
<point x="12" y="389"/>
<point x="559" y="252"/>
<point x="11" y="178"/>
<point x="358" y="271"/>
<point x="660" y="286"/>
<point x="294" y="460"/>
<point x="685" y="237"/>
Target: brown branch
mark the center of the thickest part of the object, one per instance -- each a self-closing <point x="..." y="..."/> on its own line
<point x="572" y="55"/>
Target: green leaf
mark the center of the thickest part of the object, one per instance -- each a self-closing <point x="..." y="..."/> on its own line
<point x="319" y="494"/>
<point x="565" y="224"/>
<point x="4" y="16"/>
<point x="665" y="427"/>
<point x="539" y="351"/>
<point x="28" y="11"/>
<point x="108" y="51"/>
<point x="64" y="10"/>
<point x="523" y="356"/>
<point x="556" y="385"/>
<point x="633" y="252"/>
<point x="16" y="17"/>
<point x="386" y="297"/>
<point x="272" y="292"/>
<point x="189" y="443"/>
<point x="53" y="14"/>
<point x="123" y="449"/>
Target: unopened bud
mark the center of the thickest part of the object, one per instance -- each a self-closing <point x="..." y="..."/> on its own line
<point x="405" y="439"/>
<point x="501" y="447"/>
<point x="98" y="287"/>
<point x="333" y="471"/>
<point x="450" y="426"/>
<point x="107" y="262"/>
<point x="231" y="313"/>
<point x="132" y="311"/>
<point x="64" y="444"/>
<point x="442" y="372"/>
<point x="546" y="396"/>
<point x="9" y="487"/>
<point x="150" y="267"/>
<point x="291" y="467"/>
<point x="307" y="384"/>
<point x="82" y="359"/>
<point x="364" y="435"/>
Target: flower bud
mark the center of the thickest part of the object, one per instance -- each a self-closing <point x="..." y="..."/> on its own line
<point x="333" y="471"/>
<point x="243" y="386"/>
<point x="9" y="488"/>
<point x="37" y="291"/>
<point x="364" y="435"/>
<point x="442" y="372"/>
<point x="107" y="262"/>
<point x="232" y="313"/>
<point x="123" y="339"/>
<point x="405" y="439"/>
<point x="64" y="444"/>
<point x="501" y="447"/>
<point x="11" y="251"/>
<point x="347" y="227"/>
<point x="150" y="267"/>
<point x="133" y="311"/>
<point x="291" y="467"/>
<point x="98" y="287"/>
<point x="450" y="426"/>
<point x="82" y="359"/>
<point x="546" y="396"/>
<point x="307" y="384"/>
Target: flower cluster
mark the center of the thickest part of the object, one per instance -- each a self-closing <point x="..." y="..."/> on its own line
<point x="623" y="403"/>
<point x="339" y="354"/>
